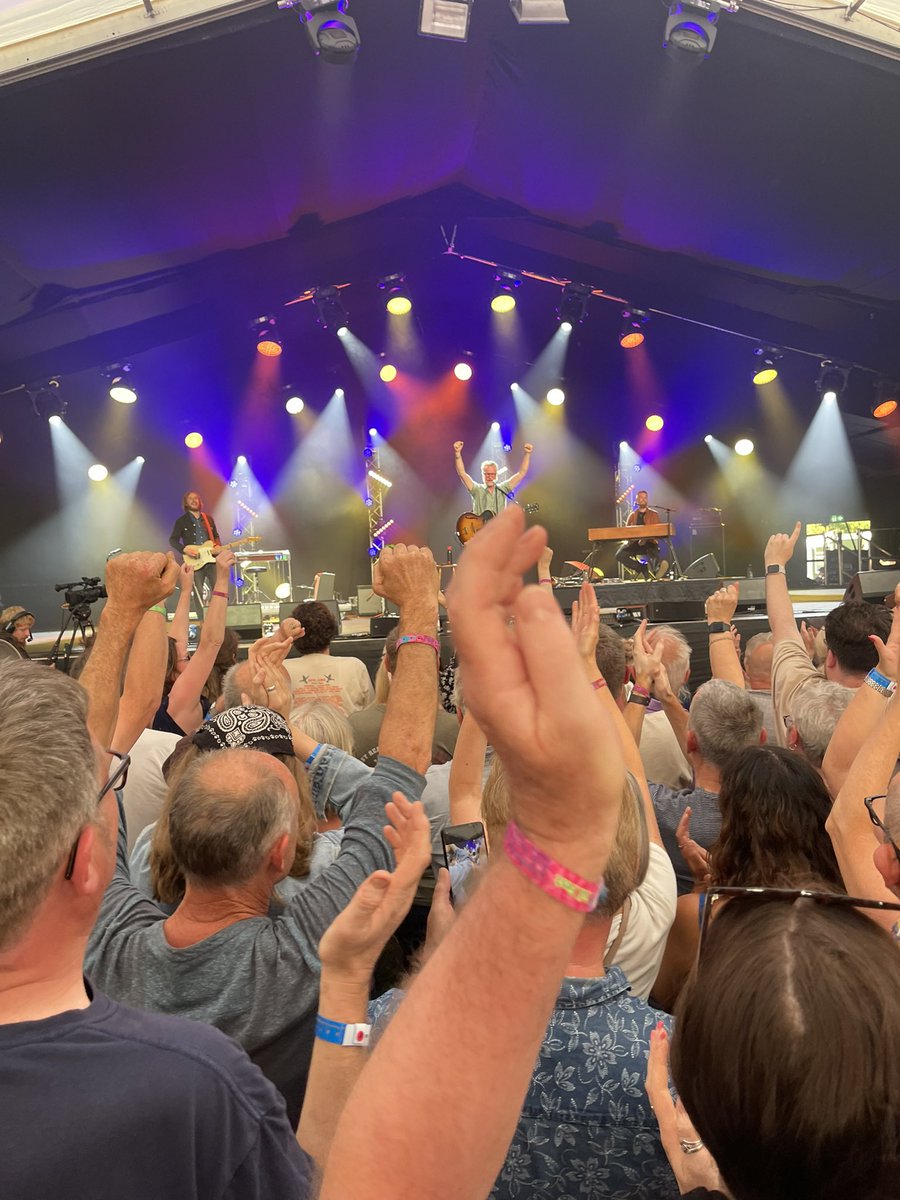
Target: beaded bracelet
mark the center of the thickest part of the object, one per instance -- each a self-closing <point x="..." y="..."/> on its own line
<point x="638" y="689"/>
<point x="550" y="876"/>
<point x="420" y="638"/>
<point x="340" y="1034"/>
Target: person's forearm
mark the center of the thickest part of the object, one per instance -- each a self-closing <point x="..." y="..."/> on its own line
<point x="144" y="681"/>
<point x="213" y="631"/>
<point x="516" y="942"/>
<point x="780" y="610"/>
<point x="102" y="675"/>
<point x="334" y="1069"/>
<point x="678" y="719"/>
<point x="407" y="730"/>
<point x="460" y="468"/>
<point x="179" y="627"/>
<point x="858" y="721"/>
<point x="723" y="659"/>
<point x="467" y="772"/>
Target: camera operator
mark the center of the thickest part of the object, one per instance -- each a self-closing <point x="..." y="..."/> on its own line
<point x="15" y="630"/>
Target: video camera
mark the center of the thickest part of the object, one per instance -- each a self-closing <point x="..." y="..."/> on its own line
<point x="79" y="596"/>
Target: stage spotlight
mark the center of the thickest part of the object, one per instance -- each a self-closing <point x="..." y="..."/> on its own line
<point x="463" y="370"/>
<point x="330" y="311"/>
<point x="691" y="28"/>
<point x="232" y="483"/>
<point x="632" y="332"/>
<point x="380" y="479"/>
<point x="332" y="32"/>
<point x="743" y="447"/>
<point x="398" y="302"/>
<point x="495" y="425"/>
<point x="572" y="308"/>
<point x="283" y="591"/>
<point x="236" y="531"/>
<point x="294" y="404"/>
<point x="56" y="419"/>
<point x="48" y="401"/>
<point x="97" y="472"/>
<point x="193" y="440"/>
<point x="268" y="343"/>
<point x="540" y="12"/>
<point x="388" y="373"/>
<point x="556" y="396"/>
<point x="503" y="299"/>
<point x="708" y="438"/>
<point x="654" y="423"/>
<point x="766" y="368"/>
<point x="885" y="399"/>
<point x="339" y="392"/>
<point x="832" y="380"/>
<point x="120" y="388"/>
<point x="140" y="459"/>
<point x="241" y="458"/>
<point x="448" y="19"/>
<point x="373" y="432"/>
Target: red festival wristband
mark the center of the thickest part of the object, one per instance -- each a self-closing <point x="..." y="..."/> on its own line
<point x="420" y="638"/>
<point x="598" y="683"/>
<point x="224" y="595"/>
<point x="550" y="876"/>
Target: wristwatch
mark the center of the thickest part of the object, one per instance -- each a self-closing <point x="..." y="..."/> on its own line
<point x="718" y="627"/>
<point x="775" y="569"/>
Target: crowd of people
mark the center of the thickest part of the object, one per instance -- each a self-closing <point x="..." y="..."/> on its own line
<point x="233" y="965"/>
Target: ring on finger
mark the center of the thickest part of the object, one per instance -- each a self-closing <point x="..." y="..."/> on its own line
<point x="689" y="1147"/>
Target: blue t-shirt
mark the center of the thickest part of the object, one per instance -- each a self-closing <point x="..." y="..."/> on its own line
<point x="105" y="1102"/>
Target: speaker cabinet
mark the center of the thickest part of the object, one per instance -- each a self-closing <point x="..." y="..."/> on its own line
<point x="368" y="604"/>
<point x="244" y="619"/>
<point x="703" y="568"/>
<point x="872" y="585"/>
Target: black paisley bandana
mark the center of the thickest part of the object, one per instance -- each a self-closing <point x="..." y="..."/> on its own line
<point x="252" y="728"/>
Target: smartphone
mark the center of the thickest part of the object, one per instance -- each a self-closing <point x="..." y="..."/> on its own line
<point x="465" y="853"/>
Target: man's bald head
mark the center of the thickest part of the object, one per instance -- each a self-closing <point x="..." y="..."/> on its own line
<point x="758" y="661"/>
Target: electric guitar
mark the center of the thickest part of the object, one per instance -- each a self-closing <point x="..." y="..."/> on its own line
<point x="200" y="556"/>
<point x="468" y="524"/>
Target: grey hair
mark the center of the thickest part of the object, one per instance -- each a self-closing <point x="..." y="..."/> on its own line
<point x="676" y="653"/>
<point x="815" y="713"/>
<point x="324" y="723"/>
<point x="754" y="643"/>
<point x="225" y="813"/>
<point x="48" y="785"/>
<point x="489" y="462"/>
<point x="724" y="718"/>
<point x="231" y="685"/>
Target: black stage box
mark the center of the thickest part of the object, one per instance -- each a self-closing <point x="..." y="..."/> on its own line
<point x="244" y="619"/>
<point x="872" y="585"/>
<point x="675" y="610"/>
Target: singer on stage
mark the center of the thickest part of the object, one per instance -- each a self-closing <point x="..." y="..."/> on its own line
<point x="193" y="528"/>
<point x="489" y="496"/>
<point x="641" y="557"/>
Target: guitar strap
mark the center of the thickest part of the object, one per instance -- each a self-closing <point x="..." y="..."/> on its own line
<point x="209" y="532"/>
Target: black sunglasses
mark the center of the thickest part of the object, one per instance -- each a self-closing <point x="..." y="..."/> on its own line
<point x="877" y="821"/>
<point x="789" y="894"/>
<point x="116" y="779"/>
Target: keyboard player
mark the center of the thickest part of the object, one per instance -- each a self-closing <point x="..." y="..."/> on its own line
<point x="641" y="556"/>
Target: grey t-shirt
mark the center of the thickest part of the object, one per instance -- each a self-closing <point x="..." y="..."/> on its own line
<point x="706" y="820"/>
<point x="258" y="979"/>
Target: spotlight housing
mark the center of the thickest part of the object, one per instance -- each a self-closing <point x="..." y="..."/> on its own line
<point x="632" y="332"/>
<point x="572" y="308"/>
<point x="398" y="302"/>
<point x="886" y="393"/>
<point x="691" y="29"/>
<point x="447" y="19"/>
<point x="294" y="403"/>
<point x="540" y="12"/>
<point x="743" y="447"/>
<point x="708" y="438"/>
<point x="120" y="388"/>
<point x="193" y="441"/>
<point x="766" y="368"/>
<point x="654" y="423"/>
<point x="268" y="343"/>
<point x="832" y="380"/>
<point x="556" y="396"/>
<point x="463" y="370"/>
<point x="332" y="32"/>
<point x="388" y="373"/>
<point x="330" y="311"/>
<point x="503" y="299"/>
<point x="47" y="400"/>
<point x="97" y="472"/>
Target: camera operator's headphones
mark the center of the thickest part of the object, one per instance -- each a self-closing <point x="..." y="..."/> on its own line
<point x="10" y="625"/>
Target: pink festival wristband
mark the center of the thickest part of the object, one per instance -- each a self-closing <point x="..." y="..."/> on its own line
<point x="550" y="876"/>
<point x="420" y="638"/>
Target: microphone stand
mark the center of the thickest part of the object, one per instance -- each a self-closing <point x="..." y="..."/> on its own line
<point x="673" y="557"/>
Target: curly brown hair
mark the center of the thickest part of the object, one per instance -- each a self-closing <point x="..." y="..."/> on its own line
<point x="319" y="626"/>
<point x="774" y="806"/>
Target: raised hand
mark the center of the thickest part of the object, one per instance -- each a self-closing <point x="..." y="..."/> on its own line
<point x="780" y="547"/>
<point x="224" y="563"/>
<point x="353" y="941"/>
<point x="586" y="622"/>
<point x="647" y="660"/>
<point x="889" y="651"/>
<point x="137" y="581"/>
<point x="457" y="447"/>
<point x="407" y="575"/>
<point x="721" y="605"/>
<point x="692" y="1164"/>
<point x="527" y="689"/>
<point x="528" y="448"/>
<point x="695" y="857"/>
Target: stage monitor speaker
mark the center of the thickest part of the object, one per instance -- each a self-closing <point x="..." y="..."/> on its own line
<point x="872" y="585"/>
<point x="323" y="586"/>
<point x="380" y="627"/>
<point x="244" y="619"/>
<point x="703" y="568"/>
<point x="751" y="592"/>
<point x="675" y="610"/>
<point x="332" y="606"/>
<point x="368" y="604"/>
<point x="286" y="609"/>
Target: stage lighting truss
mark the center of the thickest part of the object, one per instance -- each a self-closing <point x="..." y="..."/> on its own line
<point x="632" y="334"/>
<point x="503" y="298"/>
<point x="832" y="380"/>
<point x="691" y="28"/>
<point x="447" y="19"/>
<point x="540" y="12"/>
<point x="397" y="298"/>
<point x="572" y="308"/>
<point x="268" y="341"/>
<point x="330" y="311"/>
<point x="47" y="399"/>
<point x="765" y="369"/>
<point x="332" y="32"/>
<point x="374" y="500"/>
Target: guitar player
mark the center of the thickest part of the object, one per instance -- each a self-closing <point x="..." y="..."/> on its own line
<point x="641" y="557"/>
<point x="193" y="528"/>
<point x="489" y="496"/>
